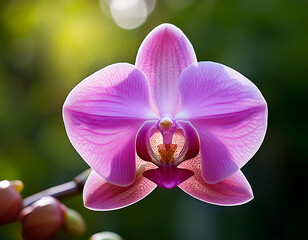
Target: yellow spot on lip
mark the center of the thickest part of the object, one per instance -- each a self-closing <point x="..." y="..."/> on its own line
<point x="166" y="152"/>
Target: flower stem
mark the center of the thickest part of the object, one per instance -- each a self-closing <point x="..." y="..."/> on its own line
<point x="61" y="191"/>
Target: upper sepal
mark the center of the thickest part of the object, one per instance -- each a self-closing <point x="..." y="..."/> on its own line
<point x="162" y="56"/>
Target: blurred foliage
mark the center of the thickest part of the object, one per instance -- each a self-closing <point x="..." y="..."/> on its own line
<point x="47" y="47"/>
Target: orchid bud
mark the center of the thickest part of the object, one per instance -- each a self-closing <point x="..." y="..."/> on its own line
<point x="18" y="185"/>
<point x="106" y="236"/>
<point x="43" y="219"/>
<point x="10" y="200"/>
<point x="74" y="223"/>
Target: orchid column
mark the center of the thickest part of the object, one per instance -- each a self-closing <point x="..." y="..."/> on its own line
<point x="166" y="121"/>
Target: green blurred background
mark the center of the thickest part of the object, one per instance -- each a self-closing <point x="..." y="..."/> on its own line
<point x="47" y="47"/>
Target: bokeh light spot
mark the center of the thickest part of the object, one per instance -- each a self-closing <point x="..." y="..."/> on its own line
<point x="128" y="14"/>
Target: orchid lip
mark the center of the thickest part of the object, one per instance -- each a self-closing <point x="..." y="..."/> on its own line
<point x="168" y="176"/>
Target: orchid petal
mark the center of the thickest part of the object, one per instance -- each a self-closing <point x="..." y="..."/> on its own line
<point x="234" y="190"/>
<point x="102" y="116"/>
<point x="162" y="56"/>
<point x="101" y="195"/>
<point x="229" y="114"/>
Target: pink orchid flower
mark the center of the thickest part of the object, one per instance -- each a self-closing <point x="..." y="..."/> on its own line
<point x="166" y="121"/>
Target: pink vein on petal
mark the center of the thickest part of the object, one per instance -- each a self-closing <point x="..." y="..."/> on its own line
<point x="100" y="195"/>
<point x="234" y="190"/>
<point x="102" y="116"/>
<point x="162" y="56"/>
<point x="229" y="114"/>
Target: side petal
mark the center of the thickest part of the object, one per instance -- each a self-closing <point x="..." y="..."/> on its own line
<point x="162" y="56"/>
<point x="102" y="115"/>
<point x="234" y="190"/>
<point x="229" y="114"/>
<point x="100" y="195"/>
